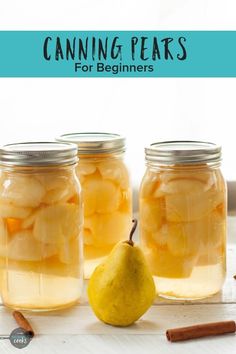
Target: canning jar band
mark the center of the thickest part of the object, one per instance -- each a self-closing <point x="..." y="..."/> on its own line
<point x="174" y="153"/>
<point x="95" y="142"/>
<point x="32" y="154"/>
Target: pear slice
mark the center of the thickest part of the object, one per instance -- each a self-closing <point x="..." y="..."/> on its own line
<point x="23" y="247"/>
<point x="152" y="212"/>
<point x="85" y="168"/>
<point x="3" y="237"/>
<point x="150" y="184"/>
<point x="29" y="221"/>
<point x="164" y="264"/>
<point x="159" y="237"/>
<point x="57" y="223"/>
<point x="100" y="196"/>
<point x="69" y="252"/>
<point x="187" y="207"/>
<point x="22" y="191"/>
<point x="8" y="210"/>
<point x="214" y="233"/>
<point x="59" y="187"/>
<point x="183" y="239"/>
<point x="116" y="171"/>
<point x="107" y="229"/>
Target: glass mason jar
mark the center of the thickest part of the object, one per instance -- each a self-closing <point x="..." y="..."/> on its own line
<point x="106" y="193"/>
<point x="183" y="218"/>
<point x="41" y="248"/>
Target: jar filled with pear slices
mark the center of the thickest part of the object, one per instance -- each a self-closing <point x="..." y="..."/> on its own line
<point x="106" y="192"/>
<point x="183" y="218"/>
<point x="41" y="219"/>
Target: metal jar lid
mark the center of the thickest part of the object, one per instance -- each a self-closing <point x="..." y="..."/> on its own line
<point x="95" y="143"/>
<point x="38" y="154"/>
<point x="183" y="152"/>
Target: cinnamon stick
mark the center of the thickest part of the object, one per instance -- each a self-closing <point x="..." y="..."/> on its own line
<point x="200" y="330"/>
<point x="23" y="322"/>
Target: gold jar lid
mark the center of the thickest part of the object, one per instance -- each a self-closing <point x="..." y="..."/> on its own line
<point x="183" y="152"/>
<point x="38" y="154"/>
<point x="95" y="143"/>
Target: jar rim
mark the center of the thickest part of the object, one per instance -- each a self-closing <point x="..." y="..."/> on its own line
<point x="183" y="152"/>
<point x="95" y="142"/>
<point x="38" y="153"/>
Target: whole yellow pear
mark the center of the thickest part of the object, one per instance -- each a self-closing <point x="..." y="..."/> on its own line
<point x="122" y="289"/>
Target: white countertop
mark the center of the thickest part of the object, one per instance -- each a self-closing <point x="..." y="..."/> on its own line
<point x="76" y="330"/>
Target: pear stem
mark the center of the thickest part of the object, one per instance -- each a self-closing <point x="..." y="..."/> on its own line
<point x="130" y="241"/>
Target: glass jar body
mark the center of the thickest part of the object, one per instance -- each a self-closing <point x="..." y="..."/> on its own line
<point x="183" y="229"/>
<point x="41" y="248"/>
<point x="107" y="205"/>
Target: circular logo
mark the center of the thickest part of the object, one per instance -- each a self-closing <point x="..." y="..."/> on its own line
<point x="20" y="338"/>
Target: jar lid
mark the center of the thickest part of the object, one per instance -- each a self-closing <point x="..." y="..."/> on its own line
<point x="95" y="143"/>
<point x="38" y="154"/>
<point x="183" y="152"/>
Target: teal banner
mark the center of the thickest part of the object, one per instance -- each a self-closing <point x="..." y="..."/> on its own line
<point x="117" y="54"/>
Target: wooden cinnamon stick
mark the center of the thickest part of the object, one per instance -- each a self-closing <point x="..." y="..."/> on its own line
<point x="23" y="322"/>
<point x="200" y="330"/>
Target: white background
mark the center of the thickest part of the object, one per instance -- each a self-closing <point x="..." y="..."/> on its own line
<point x="144" y="110"/>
